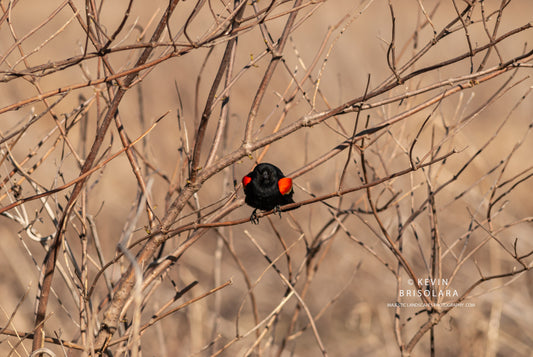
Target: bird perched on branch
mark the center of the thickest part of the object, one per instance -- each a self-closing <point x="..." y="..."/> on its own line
<point x="266" y="188"/>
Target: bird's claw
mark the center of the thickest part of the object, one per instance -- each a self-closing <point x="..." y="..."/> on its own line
<point x="253" y="218"/>
<point x="277" y="210"/>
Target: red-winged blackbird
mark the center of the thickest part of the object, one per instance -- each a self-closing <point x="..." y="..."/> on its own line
<point x="266" y="188"/>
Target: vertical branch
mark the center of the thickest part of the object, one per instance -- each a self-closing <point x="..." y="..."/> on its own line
<point x="492" y="35"/>
<point x="467" y="35"/>
<point x="202" y="126"/>
<point x="267" y="77"/>
<point x="391" y="52"/>
<point x="221" y="125"/>
<point x="49" y="262"/>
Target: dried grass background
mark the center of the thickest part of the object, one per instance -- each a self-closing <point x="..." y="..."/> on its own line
<point x="405" y="167"/>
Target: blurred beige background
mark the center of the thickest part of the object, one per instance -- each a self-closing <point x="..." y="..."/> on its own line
<point x="354" y="285"/>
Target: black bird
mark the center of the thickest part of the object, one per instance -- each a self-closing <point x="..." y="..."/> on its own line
<point x="266" y="188"/>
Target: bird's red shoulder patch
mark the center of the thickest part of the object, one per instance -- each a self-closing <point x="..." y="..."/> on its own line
<point x="285" y="185"/>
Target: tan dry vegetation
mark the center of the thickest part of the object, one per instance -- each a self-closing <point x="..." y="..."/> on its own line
<point x="442" y="192"/>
